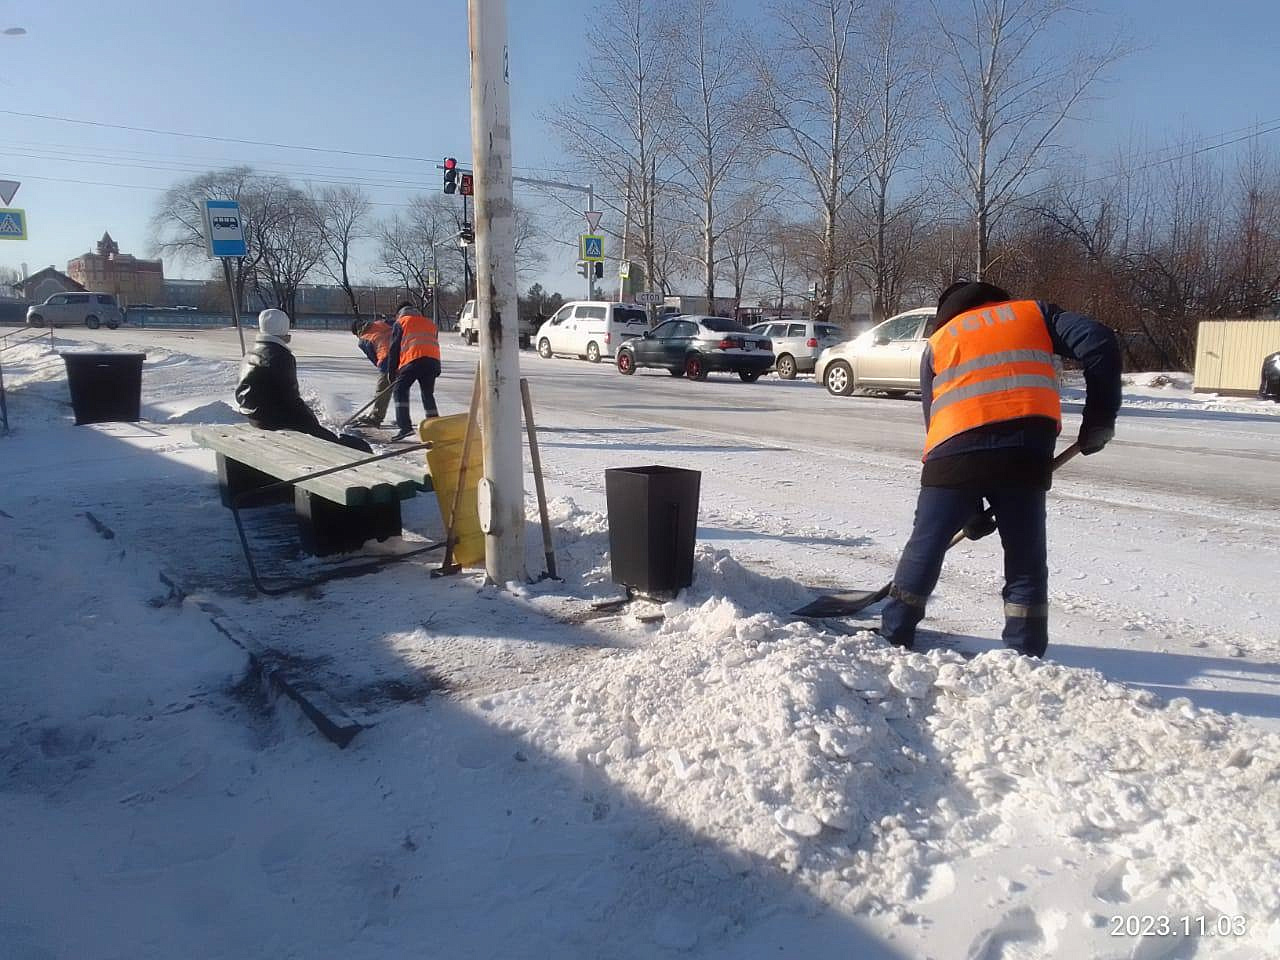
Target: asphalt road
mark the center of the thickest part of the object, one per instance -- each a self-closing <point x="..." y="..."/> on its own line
<point x="1227" y="461"/>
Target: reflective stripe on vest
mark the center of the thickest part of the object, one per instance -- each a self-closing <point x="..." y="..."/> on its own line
<point x="992" y="364"/>
<point x="378" y="334"/>
<point x="418" y="339"/>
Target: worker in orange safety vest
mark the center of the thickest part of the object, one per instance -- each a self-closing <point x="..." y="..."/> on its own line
<point x="375" y="342"/>
<point x="414" y="357"/>
<point x="992" y="413"/>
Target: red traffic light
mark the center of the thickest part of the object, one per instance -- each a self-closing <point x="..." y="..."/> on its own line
<point x="450" y="163"/>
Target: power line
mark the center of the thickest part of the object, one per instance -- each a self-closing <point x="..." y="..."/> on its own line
<point x="156" y="131"/>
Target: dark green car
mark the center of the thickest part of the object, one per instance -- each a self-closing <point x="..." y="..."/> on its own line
<point x="696" y="346"/>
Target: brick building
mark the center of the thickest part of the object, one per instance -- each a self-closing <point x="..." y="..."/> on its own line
<point x="110" y="271"/>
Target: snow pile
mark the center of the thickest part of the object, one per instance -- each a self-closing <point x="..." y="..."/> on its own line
<point x="867" y="772"/>
<point x="215" y="411"/>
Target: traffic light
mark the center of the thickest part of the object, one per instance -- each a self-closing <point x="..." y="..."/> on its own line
<point x="450" y="175"/>
<point x="467" y="235"/>
<point x="597" y="268"/>
<point x="584" y="269"/>
<point x="466" y="185"/>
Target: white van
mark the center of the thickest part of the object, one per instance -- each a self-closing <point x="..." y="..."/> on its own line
<point x="591" y="329"/>
<point x="470" y="331"/>
<point x="72" y="309"/>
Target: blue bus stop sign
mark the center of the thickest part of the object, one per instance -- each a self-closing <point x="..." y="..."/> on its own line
<point x="224" y="230"/>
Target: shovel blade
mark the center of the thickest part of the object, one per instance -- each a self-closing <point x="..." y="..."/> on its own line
<point x="846" y="604"/>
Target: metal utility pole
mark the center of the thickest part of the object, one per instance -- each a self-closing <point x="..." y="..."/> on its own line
<point x="501" y="490"/>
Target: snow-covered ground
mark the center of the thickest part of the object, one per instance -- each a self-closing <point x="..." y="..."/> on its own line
<point x="727" y="782"/>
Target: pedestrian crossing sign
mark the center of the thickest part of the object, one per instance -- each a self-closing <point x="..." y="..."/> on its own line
<point x="13" y="224"/>
<point x="592" y="247"/>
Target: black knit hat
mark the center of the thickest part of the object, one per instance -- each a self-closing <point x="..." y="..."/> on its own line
<point x="965" y="295"/>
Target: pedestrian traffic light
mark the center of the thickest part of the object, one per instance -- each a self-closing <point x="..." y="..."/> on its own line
<point x="467" y="235"/>
<point x="450" y="174"/>
<point x="597" y="269"/>
<point x="584" y="269"/>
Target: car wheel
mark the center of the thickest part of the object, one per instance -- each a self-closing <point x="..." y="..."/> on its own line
<point x="593" y="352"/>
<point x="751" y="376"/>
<point x="839" y="379"/>
<point x="113" y="324"/>
<point x="695" y="368"/>
<point x="37" y="320"/>
<point x="626" y="363"/>
<point x="786" y="366"/>
<point x="544" y="348"/>
<point x="676" y="373"/>
<point x="92" y="322"/>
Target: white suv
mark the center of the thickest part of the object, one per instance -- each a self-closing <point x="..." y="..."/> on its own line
<point x="797" y="343"/>
<point x="72" y="309"/>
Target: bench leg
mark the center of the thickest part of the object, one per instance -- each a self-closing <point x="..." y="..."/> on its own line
<point x="326" y="528"/>
<point x="234" y="479"/>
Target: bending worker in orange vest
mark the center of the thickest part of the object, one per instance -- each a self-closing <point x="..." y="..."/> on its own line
<point x="414" y="357"/>
<point x="375" y="342"/>
<point x="992" y="414"/>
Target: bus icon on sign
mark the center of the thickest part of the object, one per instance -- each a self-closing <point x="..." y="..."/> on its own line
<point x="226" y="223"/>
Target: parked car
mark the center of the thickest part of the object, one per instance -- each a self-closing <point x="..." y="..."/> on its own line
<point x="73" y="309"/>
<point x="696" y="346"/>
<point x="797" y="343"/>
<point x="470" y="331"/>
<point x="886" y="357"/>
<point x="1270" y="378"/>
<point x="590" y="329"/>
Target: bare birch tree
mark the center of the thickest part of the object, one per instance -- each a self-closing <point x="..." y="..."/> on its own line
<point x="284" y="230"/>
<point x="1005" y="82"/>
<point x="744" y="243"/>
<point x="811" y="84"/>
<point x="343" y="220"/>
<point x="412" y="243"/>
<point x="177" y="226"/>
<point x="891" y="134"/>
<point x="619" y="123"/>
<point x="715" y="119"/>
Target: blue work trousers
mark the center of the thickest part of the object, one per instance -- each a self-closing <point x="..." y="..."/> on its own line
<point x="423" y="372"/>
<point x="941" y="513"/>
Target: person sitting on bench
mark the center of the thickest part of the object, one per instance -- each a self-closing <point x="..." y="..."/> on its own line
<point x="268" y="391"/>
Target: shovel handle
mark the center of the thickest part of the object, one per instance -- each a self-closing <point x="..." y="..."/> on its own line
<point x="1066" y="456"/>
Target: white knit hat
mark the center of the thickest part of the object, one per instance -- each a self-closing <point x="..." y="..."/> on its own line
<point x="273" y="323"/>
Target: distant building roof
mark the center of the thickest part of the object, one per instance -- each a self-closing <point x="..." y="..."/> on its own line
<point x="48" y="273"/>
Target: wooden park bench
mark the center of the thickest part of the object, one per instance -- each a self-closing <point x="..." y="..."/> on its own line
<point x="338" y="512"/>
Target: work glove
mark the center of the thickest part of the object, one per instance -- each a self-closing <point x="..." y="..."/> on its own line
<point x="1093" y="439"/>
<point x="982" y="524"/>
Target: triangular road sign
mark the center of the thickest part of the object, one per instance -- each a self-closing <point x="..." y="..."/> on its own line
<point x="593" y="219"/>
<point x="8" y="188"/>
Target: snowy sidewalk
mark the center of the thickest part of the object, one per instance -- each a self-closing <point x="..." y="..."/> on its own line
<point x="728" y="783"/>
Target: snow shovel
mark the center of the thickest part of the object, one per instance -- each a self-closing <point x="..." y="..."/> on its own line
<point x="852" y="602"/>
<point x="376" y="397"/>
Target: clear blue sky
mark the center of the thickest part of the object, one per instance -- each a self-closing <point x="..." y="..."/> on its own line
<point x="391" y="77"/>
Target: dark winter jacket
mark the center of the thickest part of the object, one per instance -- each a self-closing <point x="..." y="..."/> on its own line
<point x="1020" y="452"/>
<point x="268" y="391"/>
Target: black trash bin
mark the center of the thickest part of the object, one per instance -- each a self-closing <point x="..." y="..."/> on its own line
<point x="105" y="387"/>
<point x="653" y="524"/>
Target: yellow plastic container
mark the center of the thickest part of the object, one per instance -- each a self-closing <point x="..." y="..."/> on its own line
<point x="446" y="435"/>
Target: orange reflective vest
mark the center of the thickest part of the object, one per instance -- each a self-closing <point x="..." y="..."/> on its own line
<point x="992" y="364"/>
<point x="418" y="338"/>
<point x="379" y="335"/>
